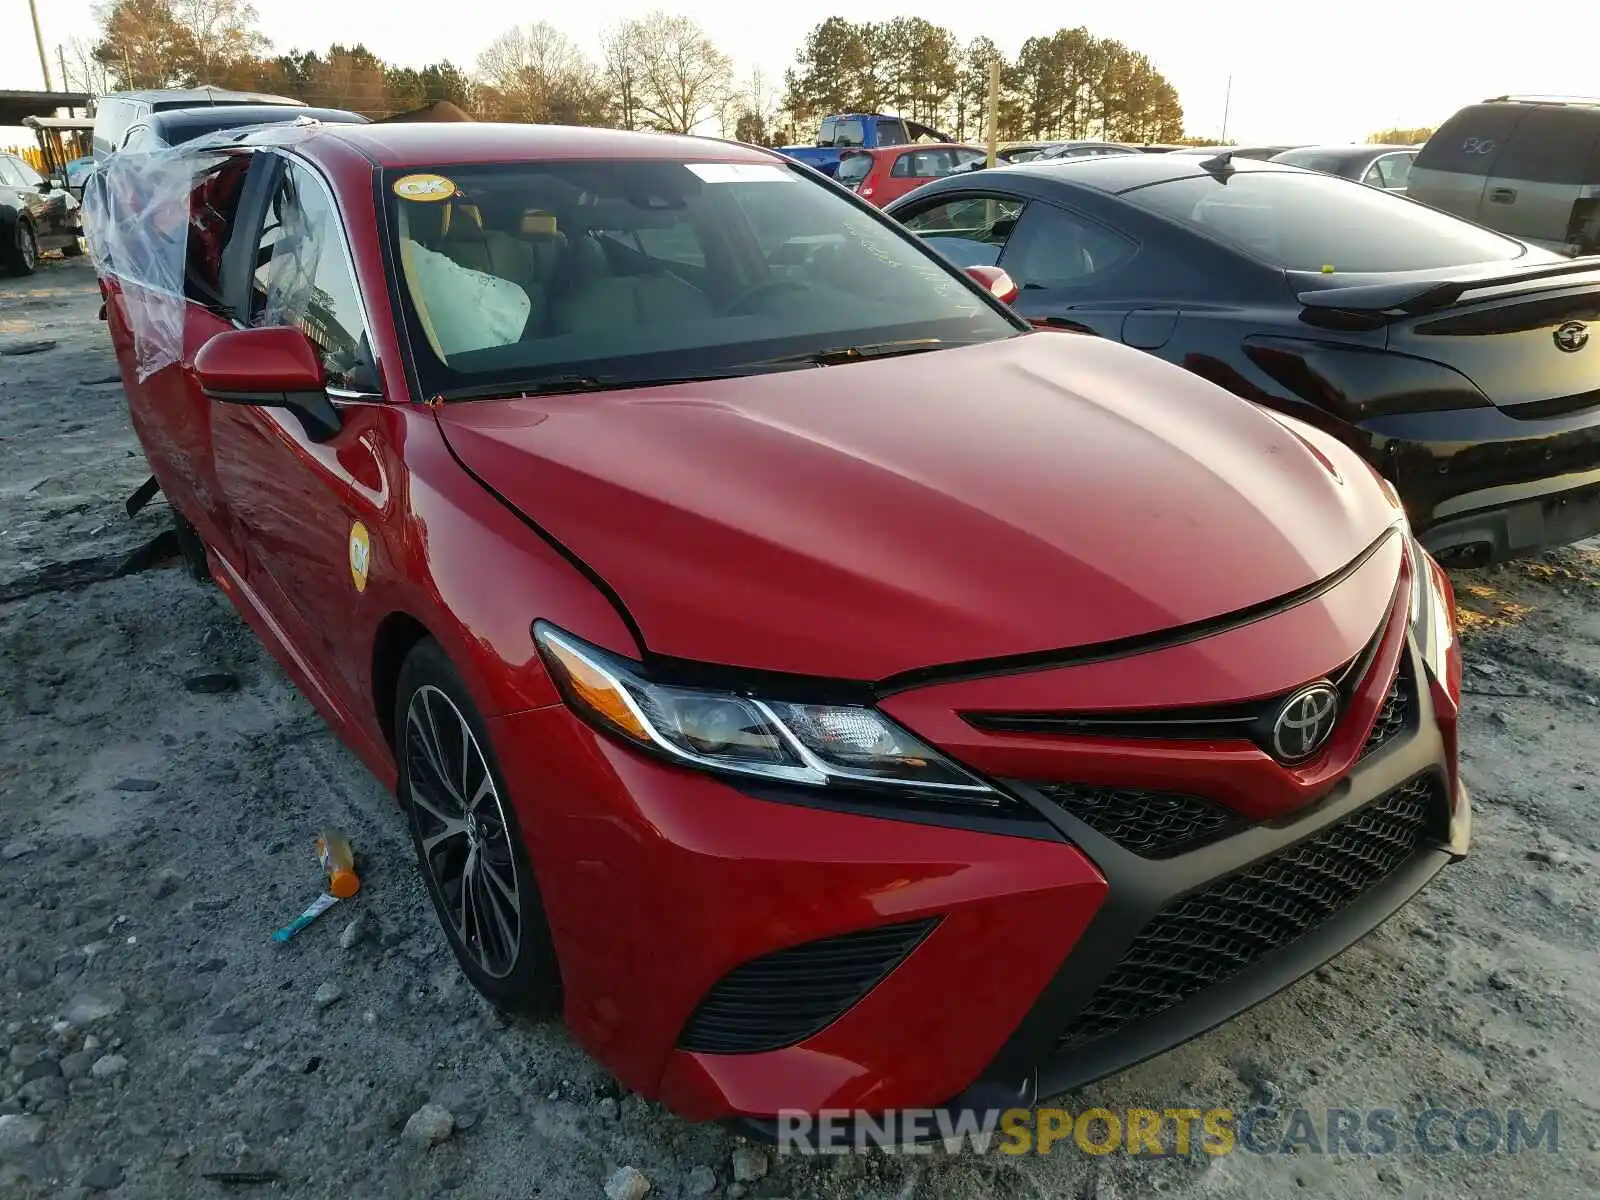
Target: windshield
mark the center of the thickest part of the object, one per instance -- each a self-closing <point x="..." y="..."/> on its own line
<point x="1305" y="222"/>
<point x="641" y="271"/>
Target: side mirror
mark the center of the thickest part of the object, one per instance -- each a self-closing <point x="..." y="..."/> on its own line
<point x="995" y="281"/>
<point x="275" y="367"/>
<point x="48" y="185"/>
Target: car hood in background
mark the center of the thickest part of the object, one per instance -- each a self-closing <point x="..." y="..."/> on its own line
<point x="1043" y="492"/>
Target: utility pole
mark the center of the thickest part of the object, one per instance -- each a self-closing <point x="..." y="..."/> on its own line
<point x="66" y="84"/>
<point x="38" y="40"/>
<point x="994" y="109"/>
<point x="1227" y="103"/>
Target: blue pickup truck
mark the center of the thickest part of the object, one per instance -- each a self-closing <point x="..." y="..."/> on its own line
<point x="849" y="131"/>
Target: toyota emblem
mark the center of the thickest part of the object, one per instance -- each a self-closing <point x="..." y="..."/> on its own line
<point x="1305" y="722"/>
<point x="1572" y="337"/>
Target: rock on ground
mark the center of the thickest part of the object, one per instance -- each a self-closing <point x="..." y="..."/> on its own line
<point x="627" y="1183"/>
<point x="431" y="1124"/>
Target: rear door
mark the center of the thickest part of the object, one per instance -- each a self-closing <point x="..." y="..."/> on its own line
<point x="1452" y="170"/>
<point x="1538" y="178"/>
<point x="170" y="414"/>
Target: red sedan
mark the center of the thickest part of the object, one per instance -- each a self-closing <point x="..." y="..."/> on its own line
<point x="888" y="173"/>
<point x="766" y="634"/>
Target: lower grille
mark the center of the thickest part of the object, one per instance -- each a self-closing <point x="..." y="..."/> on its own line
<point x="1211" y="935"/>
<point x="790" y="995"/>
<point x="1151" y="824"/>
<point x="1394" y="715"/>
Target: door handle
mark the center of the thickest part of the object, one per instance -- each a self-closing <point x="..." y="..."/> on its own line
<point x="1502" y="195"/>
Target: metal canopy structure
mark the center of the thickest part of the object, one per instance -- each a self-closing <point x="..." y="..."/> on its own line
<point x="15" y="107"/>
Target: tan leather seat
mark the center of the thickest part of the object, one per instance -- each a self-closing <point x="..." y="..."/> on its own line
<point x="597" y="300"/>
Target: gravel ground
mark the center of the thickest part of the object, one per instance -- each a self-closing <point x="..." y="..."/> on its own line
<point x="153" y="834"/>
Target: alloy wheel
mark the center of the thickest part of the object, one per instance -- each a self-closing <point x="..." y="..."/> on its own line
<point x="27" y="246"/>
<point x="463" y="831"/>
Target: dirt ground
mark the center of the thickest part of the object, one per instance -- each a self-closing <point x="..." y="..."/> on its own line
<point x="152" y="836"/>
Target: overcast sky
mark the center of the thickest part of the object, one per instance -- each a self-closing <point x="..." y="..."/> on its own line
<point x="1312" y="71"/>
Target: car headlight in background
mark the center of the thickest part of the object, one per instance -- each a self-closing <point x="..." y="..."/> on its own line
<point x="813" y="745"/>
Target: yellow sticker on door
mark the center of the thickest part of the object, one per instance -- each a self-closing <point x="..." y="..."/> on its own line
<point x="424" y="187"/>
<point x="360" y="555"/>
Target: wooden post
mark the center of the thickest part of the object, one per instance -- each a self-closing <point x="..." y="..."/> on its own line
<point x="994" y="109"/>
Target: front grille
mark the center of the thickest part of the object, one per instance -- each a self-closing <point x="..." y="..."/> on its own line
<point x="1151" y="824"/>
<point x="789" y="995"/>
<point x="1395" y="714"/>
<point x="1211" y="935"/>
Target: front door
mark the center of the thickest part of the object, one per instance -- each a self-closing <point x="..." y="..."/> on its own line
<point x="289" y="495"/>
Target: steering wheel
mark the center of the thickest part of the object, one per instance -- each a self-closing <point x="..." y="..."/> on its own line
<point x="744" y="303"/>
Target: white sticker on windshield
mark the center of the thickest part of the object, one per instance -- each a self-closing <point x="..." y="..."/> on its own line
<point x="741" y="173"/>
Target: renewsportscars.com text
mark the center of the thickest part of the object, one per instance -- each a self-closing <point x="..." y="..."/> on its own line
<point x="1177" y="1131"/>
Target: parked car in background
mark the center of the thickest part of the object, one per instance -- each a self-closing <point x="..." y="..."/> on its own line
<point x="1526" y="166"/>
<point x="1085" y="150"/>
<point x="172" y="127"/>
<point x="1258" y="152"/>
<point x="1029" y="151"/>
<point x="1157" y="148"/>
<point x="858" y="131"/>
<point x="1457" y="361"/>
<point x="1386" y="167"/>
<point x="115" y="115"/>
<point x="1021" y="152"/>
<point x="771" y="637"/>
<point x="880" y="176"/>
<point x="35" y="214"/>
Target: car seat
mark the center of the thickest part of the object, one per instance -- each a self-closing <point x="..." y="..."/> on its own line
<point x="469" y="244"/>
<point x="594" y="299"/>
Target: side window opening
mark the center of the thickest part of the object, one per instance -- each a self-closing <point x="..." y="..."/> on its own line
<point x="213" y="205"/>
<point x="303" y="278"/>
<point x="969" y="232"/>
<point x="1054" y="248"/>
<point x="891" y="133"/>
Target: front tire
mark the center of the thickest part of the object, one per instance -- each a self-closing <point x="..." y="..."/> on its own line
<point x="468" y="842"/>
<point x="21" y="256"/>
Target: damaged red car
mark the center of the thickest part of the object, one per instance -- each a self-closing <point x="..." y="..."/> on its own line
<point x="820" y="688"/>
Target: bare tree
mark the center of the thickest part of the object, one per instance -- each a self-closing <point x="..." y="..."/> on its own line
<point x="223" y="32"/>
<point x="683" y="76"/>
<point x="749" y="111"/>
<point x="85" y="73"/>
<point x="537" y="73"/>
<point x="624" y="73"/>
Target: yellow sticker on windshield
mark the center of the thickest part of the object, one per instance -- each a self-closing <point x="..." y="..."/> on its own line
<point x="424" y="187"/>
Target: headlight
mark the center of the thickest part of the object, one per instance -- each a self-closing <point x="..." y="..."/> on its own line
<point x="1432" y="621"/>
<point x="815" y="745"/>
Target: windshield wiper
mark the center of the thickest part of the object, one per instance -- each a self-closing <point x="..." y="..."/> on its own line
<point x="558" y="385"/>
<point x="843" y="354"/>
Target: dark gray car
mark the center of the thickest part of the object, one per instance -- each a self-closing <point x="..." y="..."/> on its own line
<point x="35" y="214"/>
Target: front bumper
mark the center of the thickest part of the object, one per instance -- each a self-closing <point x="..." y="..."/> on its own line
<point x="1490" y="485"/>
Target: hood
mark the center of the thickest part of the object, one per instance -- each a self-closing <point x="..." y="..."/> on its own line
<point x="1042" y="492"/>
